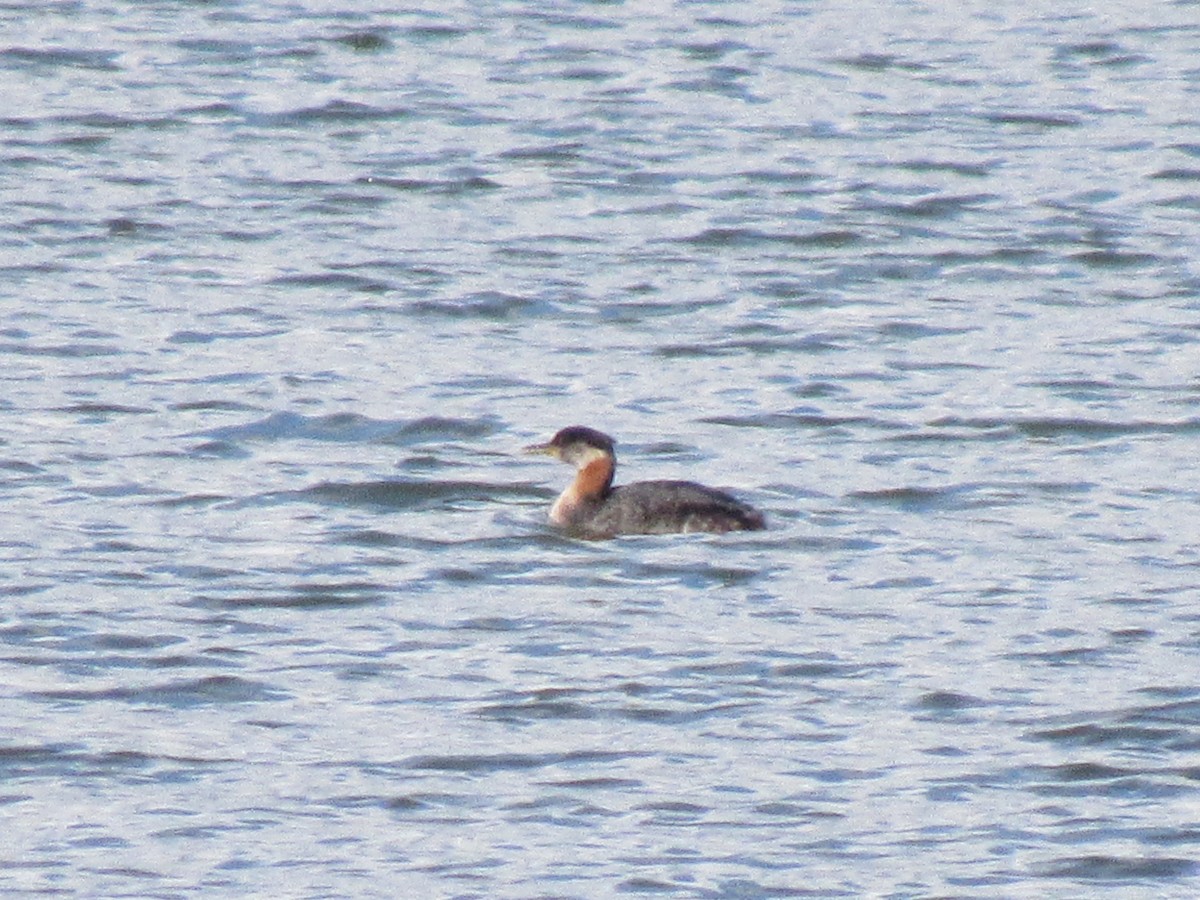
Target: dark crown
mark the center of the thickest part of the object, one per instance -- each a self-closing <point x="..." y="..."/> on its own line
<point x="579" y="434"/>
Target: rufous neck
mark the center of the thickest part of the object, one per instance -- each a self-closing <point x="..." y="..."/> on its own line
<point x="594" y="478"/>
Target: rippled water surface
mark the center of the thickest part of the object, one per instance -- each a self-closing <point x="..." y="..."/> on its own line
<point x="284" y="287"/>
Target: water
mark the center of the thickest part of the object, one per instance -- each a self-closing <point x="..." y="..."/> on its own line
<point x="284" y="286"/>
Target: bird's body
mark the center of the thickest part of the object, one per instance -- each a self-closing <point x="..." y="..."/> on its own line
<point x="591" y="507"/>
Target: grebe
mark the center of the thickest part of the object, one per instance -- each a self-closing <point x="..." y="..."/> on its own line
<point x="592" y="507"/>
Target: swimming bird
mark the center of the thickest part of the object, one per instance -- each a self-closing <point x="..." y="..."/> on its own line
<point x="591" y="507"/>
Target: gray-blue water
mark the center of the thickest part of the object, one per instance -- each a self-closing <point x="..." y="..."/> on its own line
<point x="283" y="288"/>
